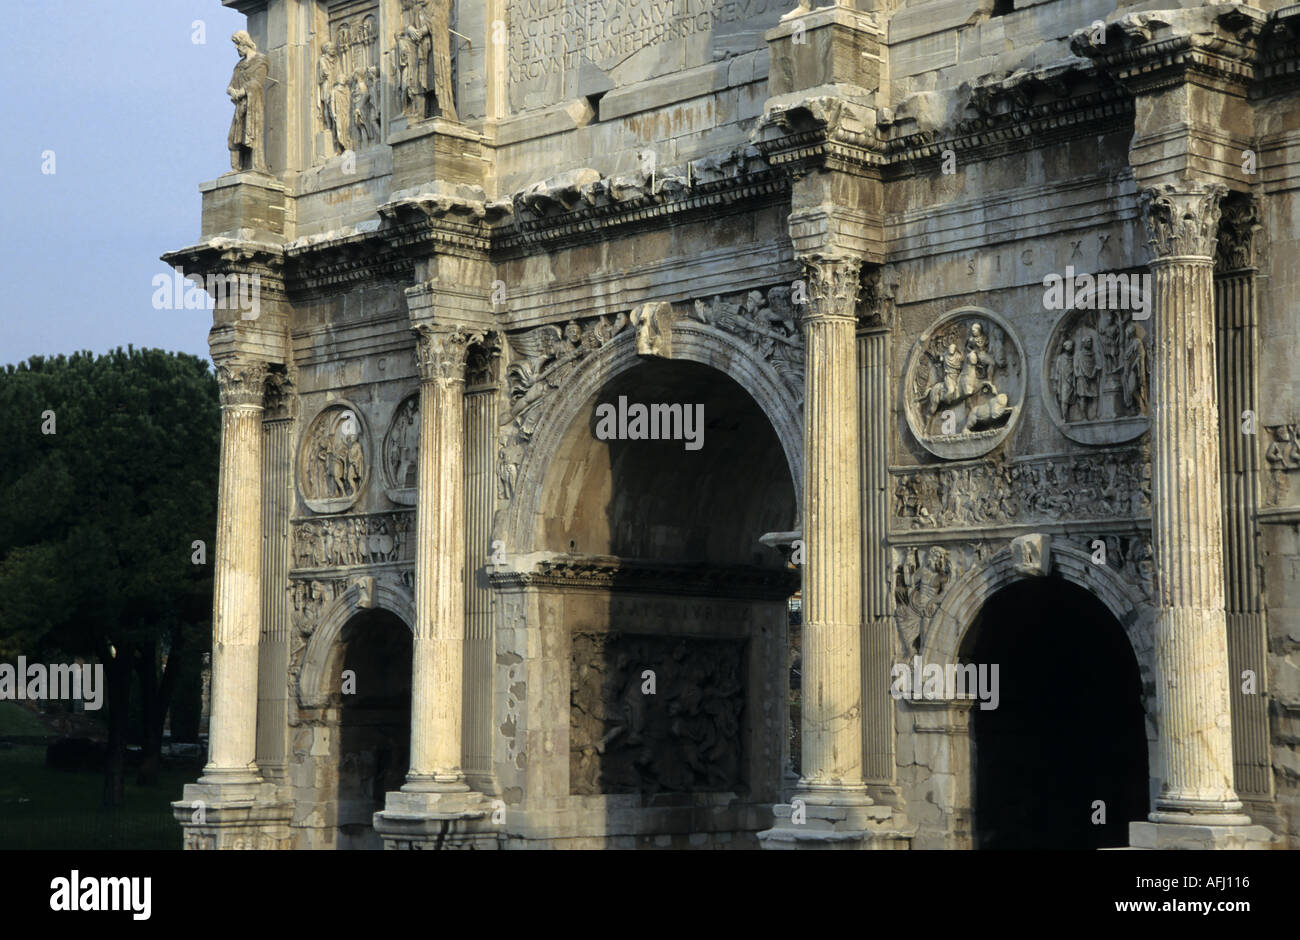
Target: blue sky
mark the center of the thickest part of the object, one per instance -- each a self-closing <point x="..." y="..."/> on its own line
<point x="136" y="114"/>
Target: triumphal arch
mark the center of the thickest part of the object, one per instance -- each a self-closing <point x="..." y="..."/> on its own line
<point x="716" y="424"/>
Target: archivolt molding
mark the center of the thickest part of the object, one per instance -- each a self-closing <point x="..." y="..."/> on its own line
<point x="691" y="341"/>
<point x="363" y="594"/>
<point x="942" y="638"/>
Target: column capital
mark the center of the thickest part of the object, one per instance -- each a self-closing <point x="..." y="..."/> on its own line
<point x="1238" y="223"/>
<point x="1182" y="219"/>
<point x="441" y="352"/>
<point x="833" y="286"/>
<point x="242" y="381"/>
<point x="279" y="395"/>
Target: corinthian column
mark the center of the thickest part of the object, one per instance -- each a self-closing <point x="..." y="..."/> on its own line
<point x="237" y="600"/>
<point x="436" y="692"/>
<point x="832" y="531"/>
<point x="1191" y="638"/>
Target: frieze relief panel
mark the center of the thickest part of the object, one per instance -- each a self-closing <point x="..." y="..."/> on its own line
<point x="1107" y="485"/>
<point x="1096" y="376"/>
<point x="686" y="737"/>
<point x="369" y="539"/>
<point x="965" y="384"/>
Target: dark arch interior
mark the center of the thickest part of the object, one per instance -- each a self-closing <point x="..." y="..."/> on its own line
<point x="1069" y="728"/>
<point x="374" y="733"/>
<point x="656" y="500"/>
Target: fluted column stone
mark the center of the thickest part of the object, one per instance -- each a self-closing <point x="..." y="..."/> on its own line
<point x="237" y="600"/>
<point x="1238" y="344"/>
<point x="438" y="654"/>
<point x="1191" y="647"/>
<point x="832" y="532"/>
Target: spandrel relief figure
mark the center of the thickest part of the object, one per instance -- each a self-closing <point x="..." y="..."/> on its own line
<point x="247" y="91"/>
<point x="768" y="324"/>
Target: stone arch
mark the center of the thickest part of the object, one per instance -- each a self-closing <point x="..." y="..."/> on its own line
<point x="942" y="641"/>
<point x="963" y="601"/>
<point x="387" y="594"/>
<point x="691" y="342"/>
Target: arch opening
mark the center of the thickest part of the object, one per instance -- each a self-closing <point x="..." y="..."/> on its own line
<point x="372" y="688"/>
<point x="690" y="603"/>
<point x="1061" y="762"/>
<point x="702" y="501"/>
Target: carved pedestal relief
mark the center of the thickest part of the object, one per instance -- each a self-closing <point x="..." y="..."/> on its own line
<point x="1096" y="376"/>
<point x="964" y="386"/>
<point x="402" y="451"/>
<point x="333" y="460"/>
<point x="1282" y="455"/>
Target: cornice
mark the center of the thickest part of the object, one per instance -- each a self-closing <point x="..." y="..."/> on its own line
<point x="584" y="206"/>
<point x="820" y="130"/>
<point x="1213" y="45"/>
<point x="610" y="573"/>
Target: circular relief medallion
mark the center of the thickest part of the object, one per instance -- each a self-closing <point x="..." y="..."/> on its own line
<point x="1095" y="376"/>
<point x="965" y="384"/>
<point x="401" y="449"/>
<point x="333" y="464"/>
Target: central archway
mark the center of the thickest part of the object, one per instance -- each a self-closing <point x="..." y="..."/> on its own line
<point x="1061" y="762"/>
<point x="661" y="615"/>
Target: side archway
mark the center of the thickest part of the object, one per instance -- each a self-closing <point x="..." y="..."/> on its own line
<point x="942" y="641"/>
<point x="1066" y="753"/>
<point x="389" y="595"/>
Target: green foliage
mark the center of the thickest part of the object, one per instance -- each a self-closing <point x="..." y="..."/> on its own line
<point x="96" y="520"/>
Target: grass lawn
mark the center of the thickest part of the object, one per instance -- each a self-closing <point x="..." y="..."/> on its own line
<point x="16" y="720"/>
<point x="54" y="809"/>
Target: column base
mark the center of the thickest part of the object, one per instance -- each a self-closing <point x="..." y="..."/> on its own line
<point x="456" y="818"/>
<point x="233" y="816"/>
<point x="234" y="783"/>
<point x="836" y="818"/>
<point x="1195" y="833"/>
